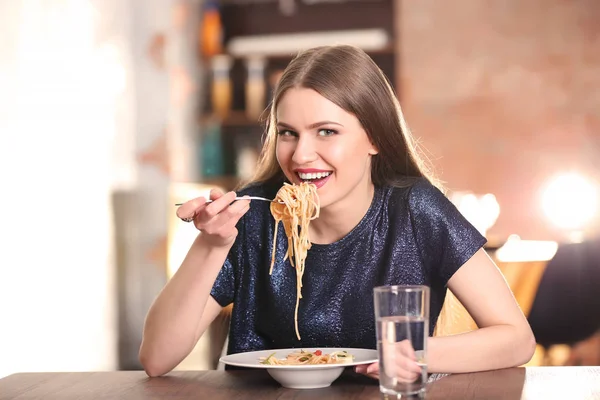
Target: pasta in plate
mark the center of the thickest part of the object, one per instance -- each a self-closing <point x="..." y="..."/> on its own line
<point x="317" y="357"/>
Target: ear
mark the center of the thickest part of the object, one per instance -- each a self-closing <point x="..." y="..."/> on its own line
<point x="373" y="151"/>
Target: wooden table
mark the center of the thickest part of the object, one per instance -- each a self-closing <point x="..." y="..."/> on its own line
<point x="532" y="383"/>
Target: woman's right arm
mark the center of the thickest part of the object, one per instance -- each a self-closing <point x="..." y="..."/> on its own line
<point x="184" y="308"/>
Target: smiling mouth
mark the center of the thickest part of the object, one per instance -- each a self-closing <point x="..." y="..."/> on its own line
<point x="311" y="176"/>
<point x="317" y="178"/>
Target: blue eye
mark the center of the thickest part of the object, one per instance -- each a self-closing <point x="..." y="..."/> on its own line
<point x="327" y="132"/>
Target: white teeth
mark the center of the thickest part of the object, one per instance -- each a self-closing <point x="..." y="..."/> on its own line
<point x="313" y="175"/>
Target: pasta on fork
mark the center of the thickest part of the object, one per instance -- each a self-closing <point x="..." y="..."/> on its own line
<point x="295" y="206"/>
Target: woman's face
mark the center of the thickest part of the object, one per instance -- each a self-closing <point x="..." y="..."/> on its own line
<point x="321" y="143"/>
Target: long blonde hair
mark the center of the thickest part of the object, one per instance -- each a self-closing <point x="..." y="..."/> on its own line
<point x="348" y="77"/>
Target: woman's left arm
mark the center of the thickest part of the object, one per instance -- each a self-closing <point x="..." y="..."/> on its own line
<point x="504" y="338"/>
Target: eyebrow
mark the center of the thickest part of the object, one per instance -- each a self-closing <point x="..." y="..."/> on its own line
<point x="311" y="126"/>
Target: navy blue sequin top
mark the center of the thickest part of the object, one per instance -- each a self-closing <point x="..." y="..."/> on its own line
<point x="411" y="235"/>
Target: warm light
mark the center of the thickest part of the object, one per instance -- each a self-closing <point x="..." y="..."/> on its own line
<point x="480" y="210"/>
<point x="570" y="201"/>
<point x="517" y="250"/>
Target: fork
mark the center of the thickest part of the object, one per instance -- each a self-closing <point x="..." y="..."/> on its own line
<point x="245" y="198"/>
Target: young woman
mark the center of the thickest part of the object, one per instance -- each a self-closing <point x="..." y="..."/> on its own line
<point x="335" y="122"/>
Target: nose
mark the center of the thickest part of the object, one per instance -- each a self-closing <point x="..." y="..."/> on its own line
<point x="305" y="150"/>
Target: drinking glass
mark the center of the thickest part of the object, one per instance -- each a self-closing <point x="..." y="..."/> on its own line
<point x="402" y="326"/>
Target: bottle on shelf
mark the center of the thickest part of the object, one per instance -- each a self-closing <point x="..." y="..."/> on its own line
<point x="255" y="87"/>
<point x="211" y="150"/>
<point x="221" y="90"/>
<point x="211" y="30"/>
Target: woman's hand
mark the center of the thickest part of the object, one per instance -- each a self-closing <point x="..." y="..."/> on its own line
<point x="217" y="220"/>
<point x="370" y="370"/>
<point x="400" y="363"/>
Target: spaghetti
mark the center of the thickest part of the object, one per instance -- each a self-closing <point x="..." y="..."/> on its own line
<point x="295" y="206"/>
<point x="309" y="358"/>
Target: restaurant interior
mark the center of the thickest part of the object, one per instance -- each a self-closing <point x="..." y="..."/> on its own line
<point x="112" y="111"/>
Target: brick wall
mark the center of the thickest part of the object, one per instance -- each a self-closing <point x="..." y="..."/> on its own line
<point x="503" y="94"/>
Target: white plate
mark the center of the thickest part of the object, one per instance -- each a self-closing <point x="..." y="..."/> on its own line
<point x="301" y="376"/>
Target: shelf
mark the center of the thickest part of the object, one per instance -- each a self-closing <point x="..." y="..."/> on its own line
<point x="235" y="118"/>
<point x="278" y="58"/>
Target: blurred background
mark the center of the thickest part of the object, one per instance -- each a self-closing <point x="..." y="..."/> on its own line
<point x="113" y="110"/>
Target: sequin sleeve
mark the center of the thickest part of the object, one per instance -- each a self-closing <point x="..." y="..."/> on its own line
<point x="446" y="240"/>
<point x="223" y="289"/>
